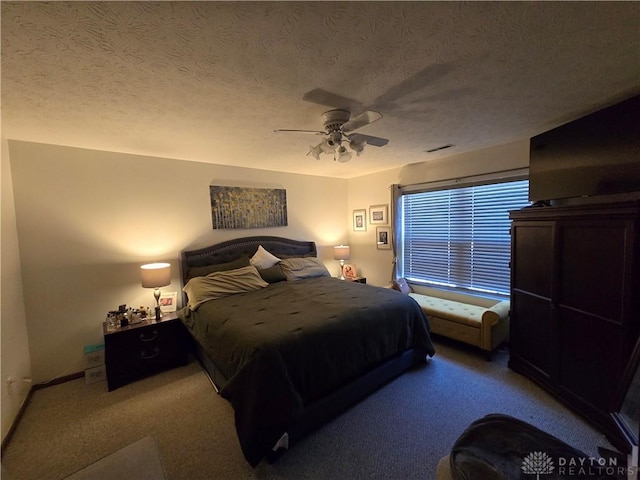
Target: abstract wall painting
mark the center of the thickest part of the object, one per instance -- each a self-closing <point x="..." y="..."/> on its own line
<point x="242" y="207"/>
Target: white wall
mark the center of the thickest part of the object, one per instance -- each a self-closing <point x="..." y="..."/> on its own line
<point x="87" y="220"/>
<point x="373" y="189"/>
<point x="13" y="329"/>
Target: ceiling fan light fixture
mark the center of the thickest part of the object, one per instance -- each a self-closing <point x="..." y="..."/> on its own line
<point x="335" y="139"/>
<point x="343" y="155"/>
<point x="338" y="128"/>
<point x="315" y="151"/>
<point x="327" y="147"/>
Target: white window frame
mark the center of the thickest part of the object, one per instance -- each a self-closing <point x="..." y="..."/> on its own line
<point x="447" y="185"/>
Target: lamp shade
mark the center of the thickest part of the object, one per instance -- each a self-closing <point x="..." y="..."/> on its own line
<point x="155" y="275"/>
<point x="341" y="252"/>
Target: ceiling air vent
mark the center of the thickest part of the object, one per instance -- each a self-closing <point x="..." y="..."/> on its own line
<point x="440" y="148"/>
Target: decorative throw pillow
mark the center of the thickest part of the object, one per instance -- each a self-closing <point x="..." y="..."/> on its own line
<point x="307" y="267"/>
<point x="402" y="286"/>
<point x="222" y="284"/>
<point x="263" y="259"/>
<point x="218" y="267"/>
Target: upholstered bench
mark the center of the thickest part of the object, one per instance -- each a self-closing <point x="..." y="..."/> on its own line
<point x="480" y="322"/>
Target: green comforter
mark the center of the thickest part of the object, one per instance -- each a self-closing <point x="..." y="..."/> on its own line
<point x="286" y="345"/>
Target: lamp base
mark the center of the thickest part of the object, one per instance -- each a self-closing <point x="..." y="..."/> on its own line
<point x="342" y="277"/>
<point x="156" y="294"/>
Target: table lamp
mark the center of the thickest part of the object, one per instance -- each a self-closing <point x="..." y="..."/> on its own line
<point x="341" y="252"/>
<point x="156" y="275"/>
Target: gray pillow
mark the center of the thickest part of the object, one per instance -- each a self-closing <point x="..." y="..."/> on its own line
<point x="307" y="267"/>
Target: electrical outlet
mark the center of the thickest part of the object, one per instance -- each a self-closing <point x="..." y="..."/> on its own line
<point x="10" y="382"/>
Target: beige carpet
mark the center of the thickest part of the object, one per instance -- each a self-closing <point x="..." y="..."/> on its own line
<point x="401" y="431"/>
<point x="137" y="461"/>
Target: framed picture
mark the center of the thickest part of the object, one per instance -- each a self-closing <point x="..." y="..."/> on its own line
<point x="242" y="207"/>
<point x="379" y="214"/>
<point x="383" y="238"/>
<point x="168" y="301"/>
<point x="360" y="220"/>
<point x="349" y="270"/>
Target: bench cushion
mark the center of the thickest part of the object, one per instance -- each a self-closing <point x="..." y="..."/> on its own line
<point x="463" y="313"/>
<point x="480" y="325"/>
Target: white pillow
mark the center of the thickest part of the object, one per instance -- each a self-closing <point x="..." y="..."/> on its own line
<point x="263" y="259"/>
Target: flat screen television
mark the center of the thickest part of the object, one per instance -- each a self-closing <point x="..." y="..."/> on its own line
<point x="596" y="155"/>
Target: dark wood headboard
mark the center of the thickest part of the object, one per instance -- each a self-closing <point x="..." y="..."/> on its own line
<point x="246" y="246"/>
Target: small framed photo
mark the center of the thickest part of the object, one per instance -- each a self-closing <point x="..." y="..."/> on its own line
<point x="383" y="238"/>
<point x="379" y="214"/>
<point x="349" y="270"/>
<point x="168" y="301"/>
<point x="360" y="220"/>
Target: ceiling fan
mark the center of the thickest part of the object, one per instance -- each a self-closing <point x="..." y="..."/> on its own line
<point x="338" y="130"/>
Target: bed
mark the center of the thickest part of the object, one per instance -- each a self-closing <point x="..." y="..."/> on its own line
<point x="289" y="346"/>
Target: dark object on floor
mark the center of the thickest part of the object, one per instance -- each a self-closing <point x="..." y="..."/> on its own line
<point x="500" y="447"/>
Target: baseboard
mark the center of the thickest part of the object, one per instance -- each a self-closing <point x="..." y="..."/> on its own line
<point x="27" y="399"/>
<point x="58" y="380"/>
<point x="14" y="424"/>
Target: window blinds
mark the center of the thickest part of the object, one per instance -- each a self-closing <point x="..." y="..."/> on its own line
<point x="460" y="237"/>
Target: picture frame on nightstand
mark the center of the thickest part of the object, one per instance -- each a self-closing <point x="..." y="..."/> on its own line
<point x="168" y="302"/>
<point x="349" y="271"/>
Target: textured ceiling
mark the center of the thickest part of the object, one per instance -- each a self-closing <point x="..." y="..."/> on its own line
<point x="210" y="81"/>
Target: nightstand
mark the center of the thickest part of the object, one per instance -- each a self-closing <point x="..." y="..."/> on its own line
<point x="144" y="348"/>
<point x="357" y="279"/>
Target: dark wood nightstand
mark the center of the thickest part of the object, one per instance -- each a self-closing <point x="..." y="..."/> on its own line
<point x="145" y="348"/>
<point x="357" y="279"/>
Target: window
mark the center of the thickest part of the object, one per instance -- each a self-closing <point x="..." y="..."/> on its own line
<point x="459" y="237"/>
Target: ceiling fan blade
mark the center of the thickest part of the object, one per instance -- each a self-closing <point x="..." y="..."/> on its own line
<point x="375" y="141"/>
<point x="359" y="121"/>
<point x="322" y="97"/>
<point x="299" y="131"/>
